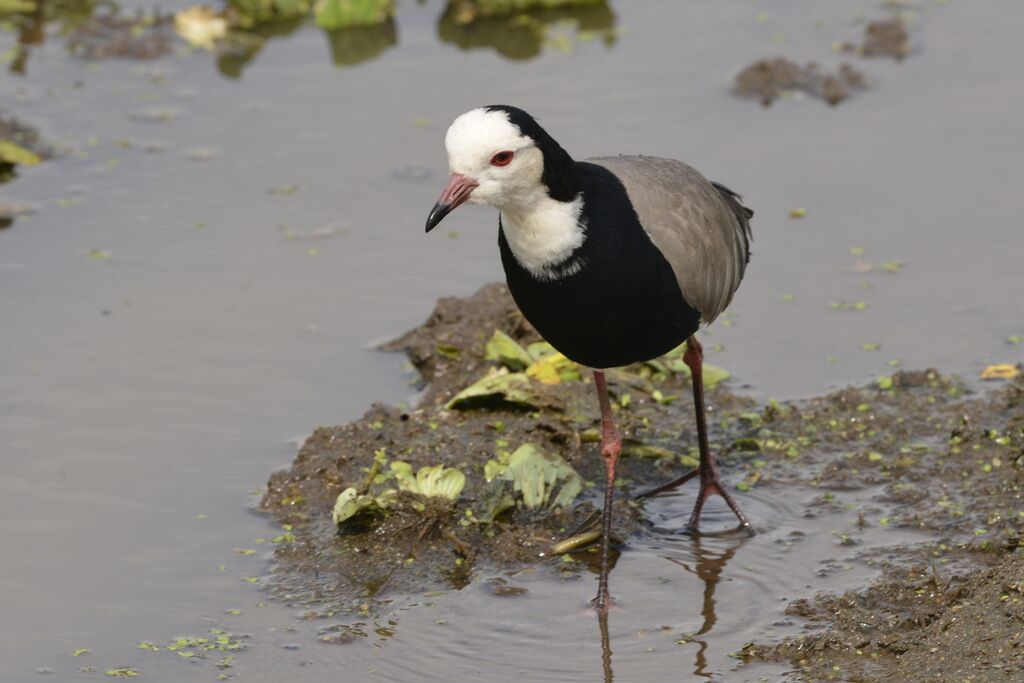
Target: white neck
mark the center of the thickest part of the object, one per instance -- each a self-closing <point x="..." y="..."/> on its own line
<point x="544" y="236"/>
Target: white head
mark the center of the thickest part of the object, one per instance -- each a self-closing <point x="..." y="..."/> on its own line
<point x="499" y="155"/>
<point x="485" y="146"/>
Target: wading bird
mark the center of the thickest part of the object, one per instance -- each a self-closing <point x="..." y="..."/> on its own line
<point x="614" y="260"/>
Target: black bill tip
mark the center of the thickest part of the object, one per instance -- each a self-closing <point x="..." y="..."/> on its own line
<point x="439" y="211"/>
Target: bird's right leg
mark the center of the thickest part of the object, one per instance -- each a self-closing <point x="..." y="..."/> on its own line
<point x="710" y="484"/>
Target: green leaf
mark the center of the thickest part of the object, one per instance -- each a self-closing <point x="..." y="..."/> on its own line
<point x="440" y="481"/>
<point x="535" y="475"/>
<point x="350" y="503"/>
<point x="437" y="481"/>
<point x="637" y="449"/>
<point x="553" y="369"/>
<point x="504" y="349"/>
<point x="13" y="153"/>
<point x="500" y="387"/>
<point x="493" y="469"/>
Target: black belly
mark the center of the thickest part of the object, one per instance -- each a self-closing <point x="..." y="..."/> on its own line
<point x="605" y="324"/>
<point x="623" y="305"/>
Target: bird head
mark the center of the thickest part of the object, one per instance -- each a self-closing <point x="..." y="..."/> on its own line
<point x="500" y="156"/>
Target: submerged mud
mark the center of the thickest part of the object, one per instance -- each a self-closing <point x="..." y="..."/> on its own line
<point x="938" y="457"/>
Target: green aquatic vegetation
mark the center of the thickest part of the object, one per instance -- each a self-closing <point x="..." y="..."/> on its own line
<point x="257" y="11"/>
<point x="17" y="6"/>
<point x="673" y="361"/>
<point x="123" y="672"/>
<point x="639" y="449"/>
<point x="335" y="14"/>
<point x="505" y="350"/>
<point x="13" y="153"/>
<point x="468" y="10"/>
<point x="536" y="475"/>
<point x="351" y="503"/>
<point x="449" y="351"/>
<point x="431" y="482"/>
<point x="499" y="386"/>
<point x="553" y="369"/>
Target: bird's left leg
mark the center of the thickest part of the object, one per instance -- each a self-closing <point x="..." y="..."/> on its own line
<point x="710" y="484"/>
<point x="611" y="446"/>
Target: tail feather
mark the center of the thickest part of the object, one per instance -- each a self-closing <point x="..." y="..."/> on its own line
<point x="742" y="213"/>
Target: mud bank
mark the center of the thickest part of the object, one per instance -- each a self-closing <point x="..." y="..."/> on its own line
<point x="935" y="457"/>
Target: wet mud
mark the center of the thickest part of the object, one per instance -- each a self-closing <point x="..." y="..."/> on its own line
<point x="771" y="78"/>
<point x="930" y="455"/>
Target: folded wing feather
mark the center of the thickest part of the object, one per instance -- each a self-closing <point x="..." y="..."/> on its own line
<point x="700" y="227"/>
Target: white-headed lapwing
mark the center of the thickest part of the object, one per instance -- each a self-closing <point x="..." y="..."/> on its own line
<point x="614" y="260"/>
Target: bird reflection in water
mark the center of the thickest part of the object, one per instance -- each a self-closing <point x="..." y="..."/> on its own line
<point x="710" y="554"/>
<point x="606" y="646"/>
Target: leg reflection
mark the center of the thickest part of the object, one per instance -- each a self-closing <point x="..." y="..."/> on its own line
<point x="606" y="646"/>
<point x="708" y="565"/>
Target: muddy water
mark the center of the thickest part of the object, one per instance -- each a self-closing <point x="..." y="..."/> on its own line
<point x="254" y="236"/>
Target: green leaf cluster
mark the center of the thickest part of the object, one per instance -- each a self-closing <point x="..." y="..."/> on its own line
<point x="336" y="14"/>
<point x="540" y="479"/>
<point x="430" y="482"/>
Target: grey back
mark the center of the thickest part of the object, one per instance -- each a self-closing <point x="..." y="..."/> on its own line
<point x="700" y="227"/>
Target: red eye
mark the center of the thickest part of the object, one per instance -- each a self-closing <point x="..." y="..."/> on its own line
<point x="502" y="159"/>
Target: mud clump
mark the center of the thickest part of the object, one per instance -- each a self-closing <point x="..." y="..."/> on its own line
<point x="938" y="459"/>
<point x="444" y="545"/>
<point x="769" y="79"/>
<point x="882" y="39"/>
<point x="913" y="625"/>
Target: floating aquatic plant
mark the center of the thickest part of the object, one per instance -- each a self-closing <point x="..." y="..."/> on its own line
<point x="432" y="482"/>
<point x="536" y="476"/>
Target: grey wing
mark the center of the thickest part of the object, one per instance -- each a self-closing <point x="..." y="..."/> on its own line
<point x="701" y="227"/>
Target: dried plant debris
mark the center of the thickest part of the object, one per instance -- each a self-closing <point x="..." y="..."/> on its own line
<point x="769" y="79"/>
<point x="887" y="38"/>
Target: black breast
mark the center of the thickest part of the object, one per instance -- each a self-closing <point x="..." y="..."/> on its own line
<point x="623" y="305"/>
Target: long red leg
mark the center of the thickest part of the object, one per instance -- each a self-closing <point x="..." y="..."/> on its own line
<point x="710" y="484"/>
<point x="611" y="446"/>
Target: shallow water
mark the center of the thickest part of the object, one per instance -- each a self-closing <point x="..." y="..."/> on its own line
<point x="257" y="258"/>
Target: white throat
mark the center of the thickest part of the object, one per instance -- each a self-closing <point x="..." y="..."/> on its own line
<point x="544" y="237"/>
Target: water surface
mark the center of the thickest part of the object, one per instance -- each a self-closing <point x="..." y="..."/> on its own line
<point x="256" y="227"/>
